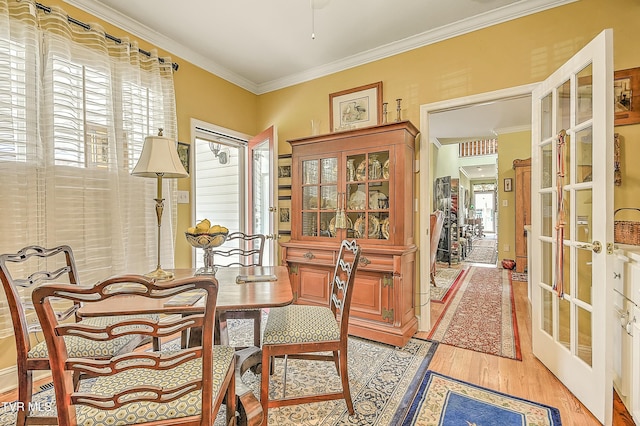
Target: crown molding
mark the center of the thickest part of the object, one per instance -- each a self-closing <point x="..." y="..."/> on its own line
<point x="513" y="129"/>
<point x="506" y="13"/>
<point x="161" y="41"/>
<point x="464" y="172"/>
<point x="498" y="16"/>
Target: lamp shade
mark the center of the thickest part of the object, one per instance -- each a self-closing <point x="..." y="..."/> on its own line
<point x="159" y="156"/>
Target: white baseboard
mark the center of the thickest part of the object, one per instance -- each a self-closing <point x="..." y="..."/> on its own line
<point x="9" y="378"/>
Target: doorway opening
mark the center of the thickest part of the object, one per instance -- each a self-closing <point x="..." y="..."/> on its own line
<point x="468" y="112"/>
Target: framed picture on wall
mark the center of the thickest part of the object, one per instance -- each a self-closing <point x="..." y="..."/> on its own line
<point x="284" y="214"/>
<point x="284" y="170"/>
<point x="355" y="108"/>
<point x="183" y="154"/>
<point x="626" y="92"/>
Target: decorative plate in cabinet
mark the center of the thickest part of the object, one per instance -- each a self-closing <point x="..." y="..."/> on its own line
<point x="385" y="170"/>
<point x="385" y="228"/>
<point x="332" y="225"/>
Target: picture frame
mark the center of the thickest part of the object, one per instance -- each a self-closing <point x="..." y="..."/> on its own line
<point x="284" y="214"/>
<point x="356" y="108"/>
<point x="626" y="90"/>
<point x="284" y="170"/>
<point x="184" y="154"/>
<point x="508" y="184"/>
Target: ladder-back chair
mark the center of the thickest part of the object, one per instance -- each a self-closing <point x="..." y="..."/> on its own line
<point x="435" y="229"/>
<point x="182" y="386"/>
<point x="20" y="273"/>
<point x="249" y="252"/>
<point x="301" y="331"/>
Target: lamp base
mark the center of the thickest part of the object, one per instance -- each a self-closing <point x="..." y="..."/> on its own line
<point x="160" y="274"/>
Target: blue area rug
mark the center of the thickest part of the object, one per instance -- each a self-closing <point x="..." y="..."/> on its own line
<point x="443" y="401"/>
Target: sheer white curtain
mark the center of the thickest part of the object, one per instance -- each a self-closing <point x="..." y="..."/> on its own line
<point x="75" y="108"/>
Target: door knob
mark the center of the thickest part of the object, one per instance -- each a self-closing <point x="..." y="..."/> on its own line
<point x="596" y="246"/>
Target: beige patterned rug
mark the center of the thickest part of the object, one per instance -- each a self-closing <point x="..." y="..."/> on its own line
<point x="380" y="375"/>
<point x="484" y="250"/>
<point x="446" y="278"/>
<point x="481" y="315"/>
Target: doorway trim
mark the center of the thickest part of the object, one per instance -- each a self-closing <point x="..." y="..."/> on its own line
<point x="425" y="179"/>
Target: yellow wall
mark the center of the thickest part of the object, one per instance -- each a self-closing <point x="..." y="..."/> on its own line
<point x="511" y="146"/>
<point x="628" y="194"/>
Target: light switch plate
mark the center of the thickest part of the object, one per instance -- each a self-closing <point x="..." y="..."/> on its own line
<point x="183" y="197"/>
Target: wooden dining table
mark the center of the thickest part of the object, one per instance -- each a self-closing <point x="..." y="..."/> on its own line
<point x="258" y="287"/>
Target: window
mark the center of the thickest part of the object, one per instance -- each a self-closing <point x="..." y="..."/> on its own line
<point x="73" y="118"/>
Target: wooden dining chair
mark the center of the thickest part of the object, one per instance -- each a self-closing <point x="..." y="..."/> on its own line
<point x="249" y="252"/>
<point x="20" y="273"/>
<point x="181" y="386"/>
<point x="301" y="331"/>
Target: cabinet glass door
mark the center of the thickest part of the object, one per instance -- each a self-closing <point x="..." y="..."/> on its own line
<point x="319" y="197"/>
<point x="367" y="195"/>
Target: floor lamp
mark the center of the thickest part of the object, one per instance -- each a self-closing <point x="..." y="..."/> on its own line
<point x="159" y="159"/>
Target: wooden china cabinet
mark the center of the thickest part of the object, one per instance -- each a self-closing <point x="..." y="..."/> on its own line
<point x="523" y="210"/>
<point x="357" y="184"/>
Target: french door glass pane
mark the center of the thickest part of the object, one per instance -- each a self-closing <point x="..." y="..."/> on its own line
<point x="547" y="214"/>
<point x="566" y="270"/>
<point x="584" y="201"/>
<point x="547" y="160"/>
<point x="547" y="311"/>
<point x="547" y="263"/>
<point x="584" y="154"/>
<point x="584" y="103"/>
<point x="546" y="117"/>
<point x="563" y="113"/>
<point x="564" y="323"/>
<point x="585" y="342"/>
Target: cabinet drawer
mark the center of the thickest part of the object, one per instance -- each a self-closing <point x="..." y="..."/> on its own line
<point x="376" y="262"/>
<point x="307" y="255"/>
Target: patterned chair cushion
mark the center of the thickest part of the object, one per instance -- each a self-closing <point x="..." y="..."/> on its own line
<point x="79" y="347"/>
<point x="141" y="412"/>
<point x="299" y="324"/>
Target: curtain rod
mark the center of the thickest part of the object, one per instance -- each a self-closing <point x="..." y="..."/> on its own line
<point x="86" y="26"/>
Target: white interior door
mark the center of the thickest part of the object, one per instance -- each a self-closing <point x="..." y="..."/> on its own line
<point x="569" y="248"/>
<point x="262" y="207"/>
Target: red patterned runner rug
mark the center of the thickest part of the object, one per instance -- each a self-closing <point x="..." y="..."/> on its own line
<point x="481" y="315"/>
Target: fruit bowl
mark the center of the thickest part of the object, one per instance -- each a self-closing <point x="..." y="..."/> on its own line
<point x="207" y="242"/>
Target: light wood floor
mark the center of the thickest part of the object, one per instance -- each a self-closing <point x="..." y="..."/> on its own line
<point x="528" y="379"/>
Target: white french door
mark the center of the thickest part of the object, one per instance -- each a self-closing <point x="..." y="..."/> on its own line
<point x="572" y="224"/>
<point x="262" y="207"/>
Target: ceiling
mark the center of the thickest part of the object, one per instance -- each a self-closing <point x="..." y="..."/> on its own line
<point x="267" y="45"/>
<point x="264" y="45"/>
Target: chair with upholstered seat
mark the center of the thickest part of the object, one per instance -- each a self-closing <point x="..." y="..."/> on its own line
<point x="435" y="229"/>
<point x="249" y="252"/>
<point x="301" y="331"/>
<point x="20" y="272"/>
<point x="181" y="386"/>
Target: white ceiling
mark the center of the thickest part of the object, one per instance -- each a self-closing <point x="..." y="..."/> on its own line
<point x="266" y="45"/>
